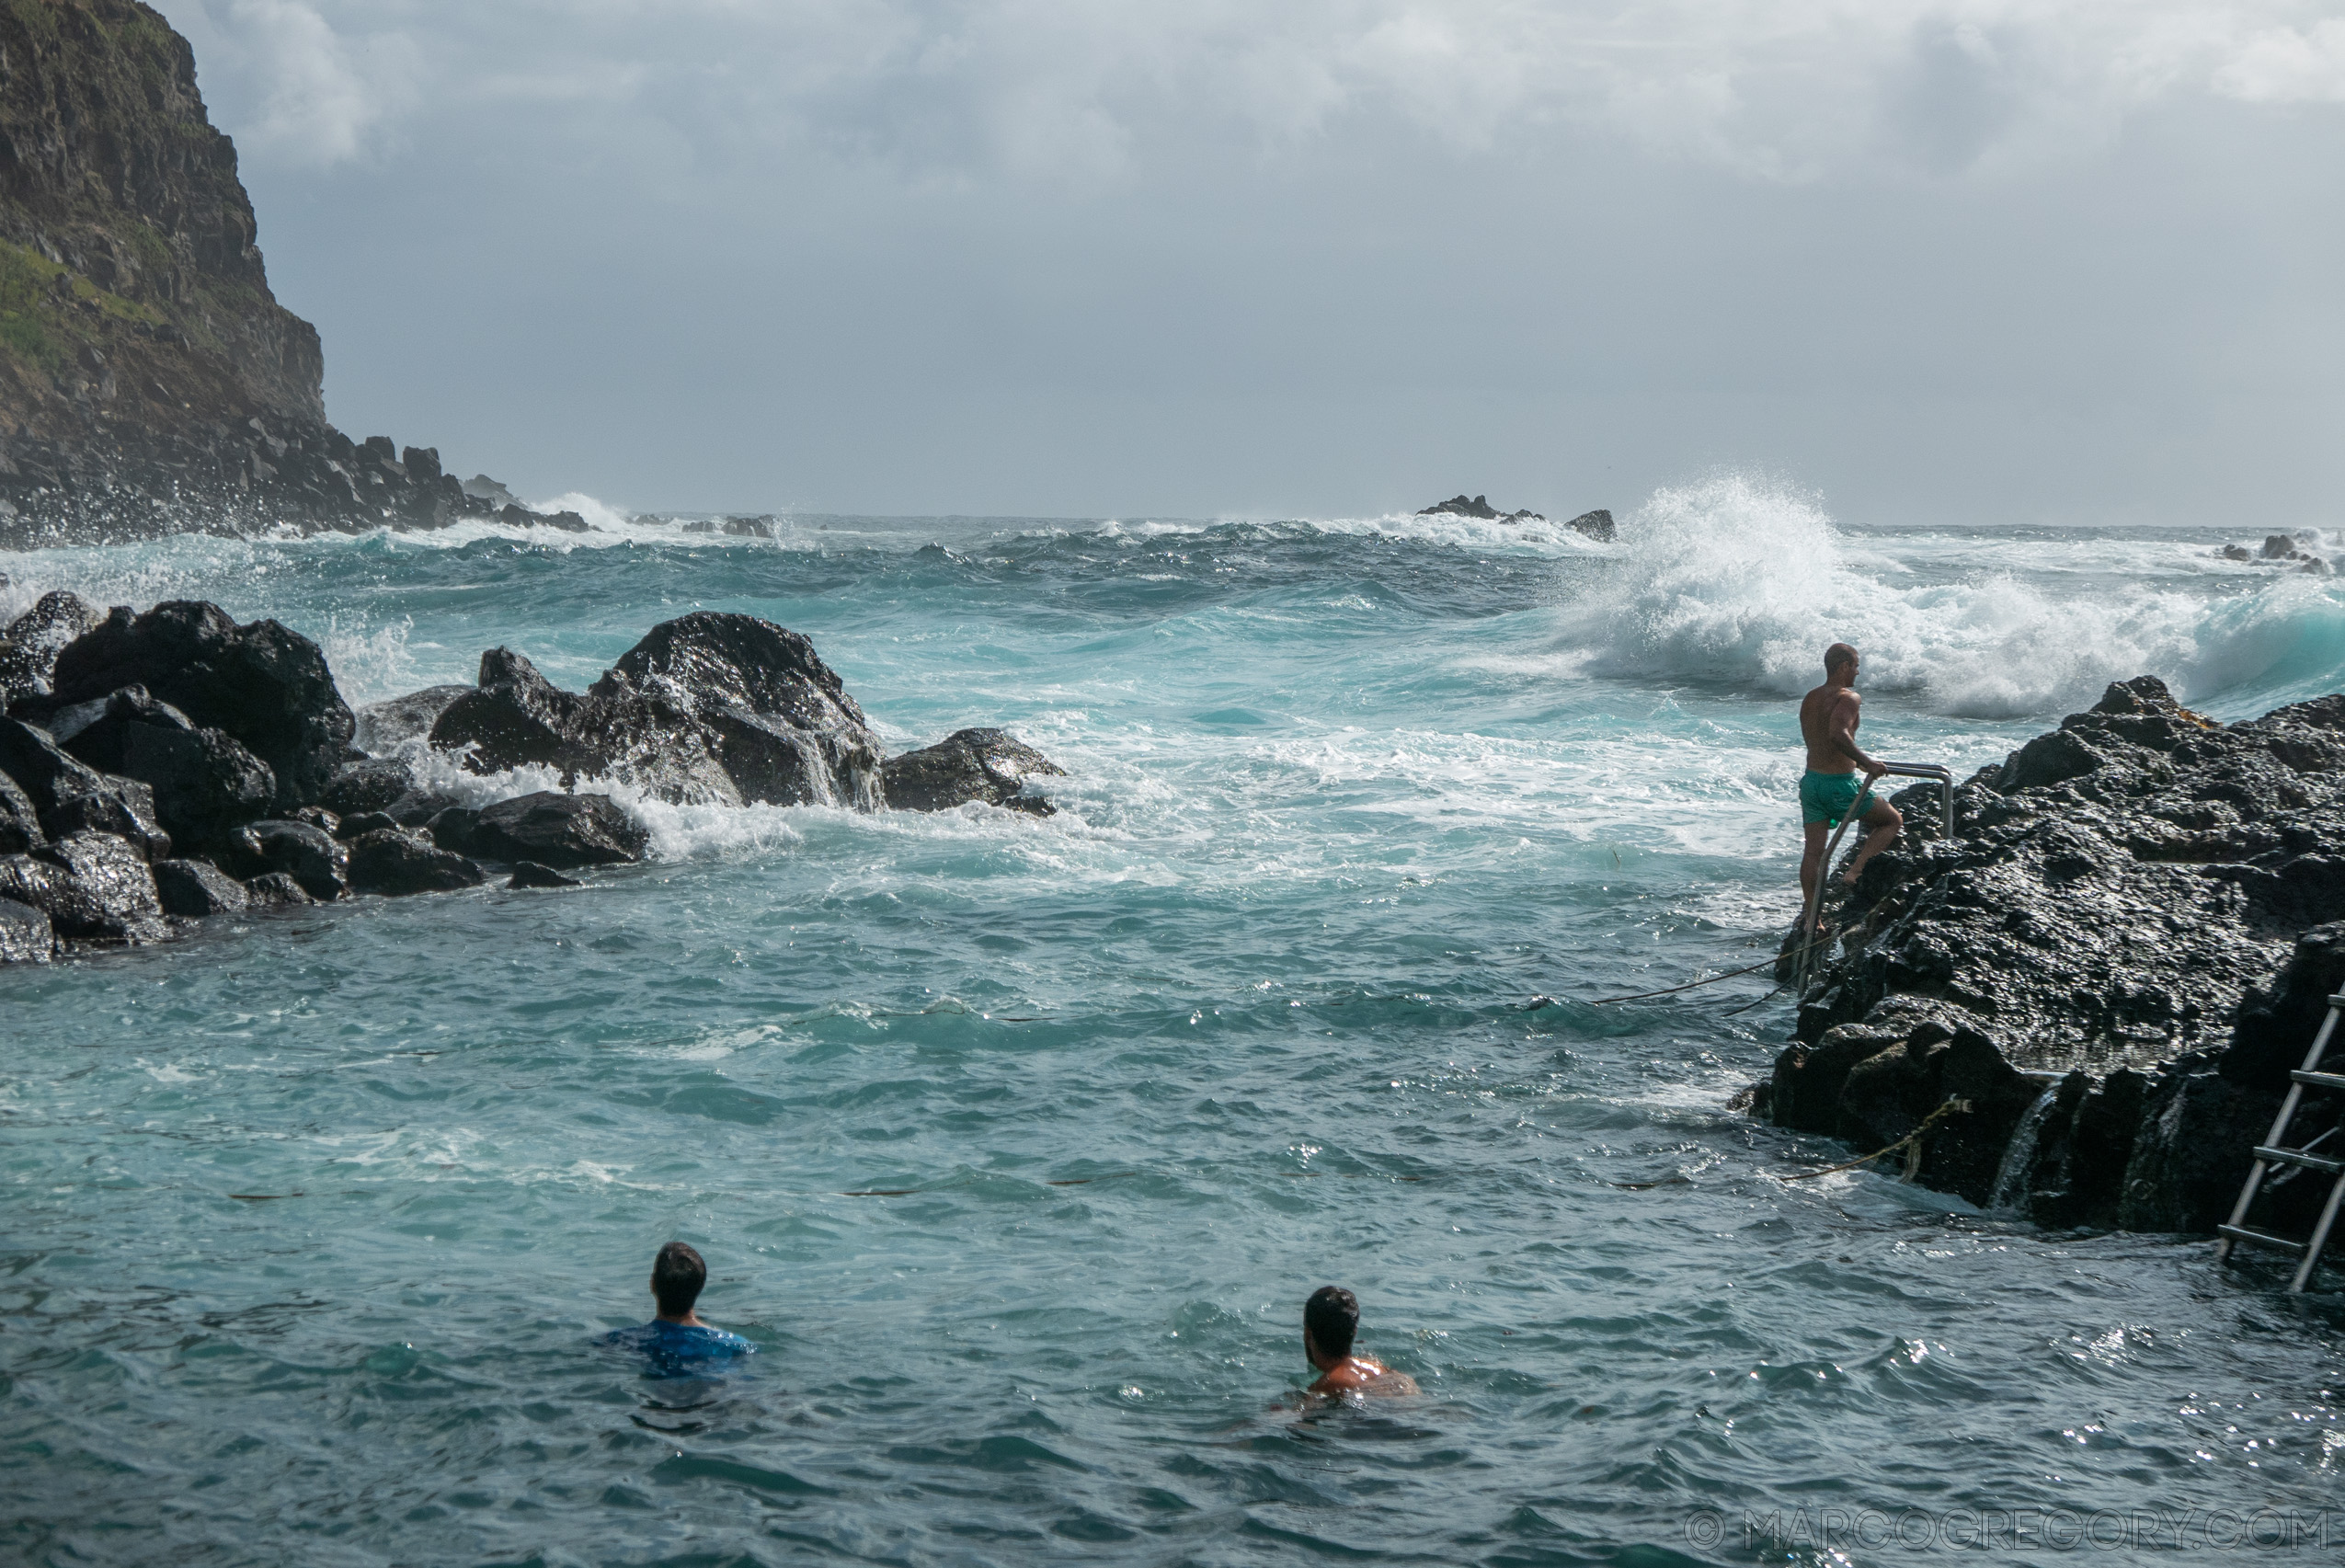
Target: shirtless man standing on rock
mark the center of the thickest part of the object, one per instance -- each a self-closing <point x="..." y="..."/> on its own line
<point x="1829" y="792"/>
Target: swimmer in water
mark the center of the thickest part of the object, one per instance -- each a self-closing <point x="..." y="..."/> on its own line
<point x="678" y="1343"/>
<point x="1330" y="1319"/>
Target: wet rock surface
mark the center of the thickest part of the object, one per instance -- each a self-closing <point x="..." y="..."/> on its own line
<point x="991" y="766"/>
<point x="176" y="763"/>
<point x="708" y="709"/>
<point x="25" y="935"/>
<point x="265" y="685"/>
<point x="193" y="890"/>
<point x="302" y="850"/>
<point x="558" y="831"/>
<point x="2116" y="962"/>
<point x="394" y="862"/>
<point x="28" y="648"/>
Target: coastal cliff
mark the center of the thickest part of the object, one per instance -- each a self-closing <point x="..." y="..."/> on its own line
<point x="150" y="383"/>
<point x="2112" y="965"/>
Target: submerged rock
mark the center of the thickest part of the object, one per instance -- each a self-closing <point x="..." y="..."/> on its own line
<point x="2123" y="916"/>
<point x="988" y="765"/>
<point x="529" y="873"/>
<point x="558" y="831"/>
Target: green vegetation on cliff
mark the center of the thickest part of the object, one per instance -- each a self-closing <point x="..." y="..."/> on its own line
<point x="132" y="296"/>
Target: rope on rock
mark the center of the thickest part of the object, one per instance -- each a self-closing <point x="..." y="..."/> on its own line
<point x="1712" y="980"/>
<point x="1911" y="1143"/>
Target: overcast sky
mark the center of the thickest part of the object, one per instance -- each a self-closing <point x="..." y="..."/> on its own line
<point x="1937" y="261"/>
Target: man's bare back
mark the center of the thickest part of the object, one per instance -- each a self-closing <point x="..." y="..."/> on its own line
<point x="1828" y="720"/>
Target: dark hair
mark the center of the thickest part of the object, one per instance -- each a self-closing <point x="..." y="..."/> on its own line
<point x="1837" y="655"/>
<point x="677" y="1274"/>
<point x="1331" y="1317"/>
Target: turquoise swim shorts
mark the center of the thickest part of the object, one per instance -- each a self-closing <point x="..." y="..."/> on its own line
<point x="1830" y="797"/>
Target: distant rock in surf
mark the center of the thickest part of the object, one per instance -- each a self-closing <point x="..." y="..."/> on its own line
<point x="2293" y="549"/>
<point x="1477" y="506"/>
<point x="1596" y="525"/>
<point x="991" y="766"/>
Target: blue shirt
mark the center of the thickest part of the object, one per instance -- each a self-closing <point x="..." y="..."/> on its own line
<point x="676" y="1350"/>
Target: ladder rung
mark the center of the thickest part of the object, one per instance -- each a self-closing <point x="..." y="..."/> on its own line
<point x="2319" y="1079"/>
<point x="2260" y="1238"/>
<point x="2298" y="1156"/>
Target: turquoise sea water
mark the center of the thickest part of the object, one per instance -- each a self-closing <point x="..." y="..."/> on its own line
<point x="1016" y="1144"/>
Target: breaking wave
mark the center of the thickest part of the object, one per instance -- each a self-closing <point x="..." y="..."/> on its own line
<point x="1738" y="579"/>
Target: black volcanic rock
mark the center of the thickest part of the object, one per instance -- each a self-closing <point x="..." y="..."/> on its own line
<point x="515" y="717"/>
<point x="266" y="686"/>
<point x="306" y="853"/>
<point x="274" y="890"/>
<point x="2138" y="909"/>
<point x="1596" y="525"/>
<point x="708" y="708"/>
<point x="394" y="862"/>
<point x="24" y="934"/>
<point x="558" y="831"/>
<point x="529" y="873"/>
<point x="384" y="727"/>
<point x="205" y="783"/>
<point x="374" y="784"/>
<point x="988" y="765"/>
<point x="68" y="796"/>
<point x="192" y="889"/>
<point x="20" y="827"/>
<point x="28" y="649"/>
<point x="93" y="887"/>
<point x="121" y="807"/>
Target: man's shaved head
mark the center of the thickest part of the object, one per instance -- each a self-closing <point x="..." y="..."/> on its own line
<point x="1837" y="655"/>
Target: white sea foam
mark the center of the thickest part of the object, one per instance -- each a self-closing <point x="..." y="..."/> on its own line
<point x="1739" y="580"/>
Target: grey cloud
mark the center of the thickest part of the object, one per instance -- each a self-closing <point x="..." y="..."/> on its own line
<point x="1939" y="259"/>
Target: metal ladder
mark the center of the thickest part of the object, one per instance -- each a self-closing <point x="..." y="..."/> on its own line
<point x="2273" y="1151"/>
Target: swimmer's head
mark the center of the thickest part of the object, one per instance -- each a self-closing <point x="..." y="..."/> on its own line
<point x="1835" y="657"/>
<point x="1330" y="1319"/>
<point x="677" y="1274"/>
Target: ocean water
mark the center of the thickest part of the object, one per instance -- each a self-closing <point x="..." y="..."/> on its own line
<point x="1016" y="1145"/>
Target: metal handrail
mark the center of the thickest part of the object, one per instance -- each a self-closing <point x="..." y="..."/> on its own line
<point x="1945" y="777"/>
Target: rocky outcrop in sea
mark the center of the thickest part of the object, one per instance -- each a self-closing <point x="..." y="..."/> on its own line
<point x="2114" y="964"/>
<point x="160" y="769"/>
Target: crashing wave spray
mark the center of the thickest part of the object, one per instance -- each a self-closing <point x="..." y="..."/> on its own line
<point x="1739" y="580"/>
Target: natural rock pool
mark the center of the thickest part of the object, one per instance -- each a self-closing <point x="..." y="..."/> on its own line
<point x="1015" y="1143"/>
